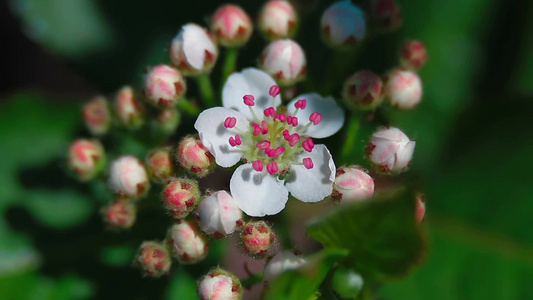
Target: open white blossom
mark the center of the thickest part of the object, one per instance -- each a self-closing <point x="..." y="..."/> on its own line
<point x="275" y="142"/>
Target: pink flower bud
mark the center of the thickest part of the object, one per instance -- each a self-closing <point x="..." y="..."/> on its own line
<point x="343" y="24"/>
<point x="167" y="120"/>
<point x="420" y="207"/>
<point x="352" y="184"/>
<point x="413" y="55"/>
<point x="97" y="116"/>
<point x="403" y="89"/>
<point x="86" y="158"/>
<point x="164" y="85"/>
<point x="129" y="111"/>
<point x="120" y="214"/>
<point x="127" y="177"/>
<point x="180" y="197"/>
<point x="187" y="242"/>
<point x="159" y="165"/>
<point x="256" y="239"/>
<point x="363" y="90"/>
<point x="154" y="258"/>
<point x="283" y="261"/>
<point x="390" y="150"/>
<point x="219" y="214"/>
<point x="231" y="25"/>
<point x="385" y="14"/>
<point x="285" y="61"/>
<point x="277" y="20"/>
<point x="194" y="50"/>
<point x="194" y="157"/>
<point x="219" y="284"/>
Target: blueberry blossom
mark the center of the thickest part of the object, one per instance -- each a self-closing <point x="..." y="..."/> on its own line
<point x="275" y="142"/>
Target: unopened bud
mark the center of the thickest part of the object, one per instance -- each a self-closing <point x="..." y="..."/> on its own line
<point x="194" y="50"/>
<point x="285" y="61"/>
<point x="277" y="19"/>
<point x="219" y="214"/>
<point x="128" y="109"/>
<point x="180" y="197"/>
<point x="403" y="89"/>
<point x="219" y="284"/>
<point x="194" y="157"/>
<point x="187" y="242"/>
<point x="390" y="150"/>
<point x="385" y="14"/>
<point x="86" y="158"/>
<point x="256" y="239"/>
<point x="127" y="177"/>
<point x="120" y="214"/>
<point x="281" y="262"/>
<point x="231" y="25"/>
<point x="352" y="184"/>
<point x="167" y="120"/>
<point x="413" y="55"/>
<point x="159" y="165"/>
<point x="154" y="258"/>
<point x="420" y="207"/>
<point x="343" y="24"/>
<point x="164" y="86"/>
<point x="363" y="90"/>
<point x="346" y="283"/>
<point x="97" y="116"/>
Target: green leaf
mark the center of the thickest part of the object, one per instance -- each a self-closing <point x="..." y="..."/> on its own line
<point x="303" y="283"/>
<point x="382" y="236"/>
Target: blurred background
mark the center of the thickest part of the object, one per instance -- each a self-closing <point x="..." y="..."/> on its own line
<point x="473" y="133"/>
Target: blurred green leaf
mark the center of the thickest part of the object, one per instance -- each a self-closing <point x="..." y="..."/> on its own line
<point x="382" y="236"/>
<point x="32" y="286"/>
<point x="303" y="283"/>
<point x="183" y="286"/>
<point x="120" y="255"/>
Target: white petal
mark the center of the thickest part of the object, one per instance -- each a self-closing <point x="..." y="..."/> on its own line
<point x="257" y="193"/>
<point x="404" y="156"/>
<point x="196" y="42"/>
<point x="332" y="114"/>
<point x="215" y="137"/>
<point x="312" y="185"/>
<point x="253" y="82"/>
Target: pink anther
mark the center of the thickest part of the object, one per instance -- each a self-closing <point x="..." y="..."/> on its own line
<point x="301" y="104"/>
<point x="315" y="117"/>
<point x="278" y="151"/>
<point x="238" y="140"/>
<point x="274" y="90"/>
<point x="249" y="100"/>
<point x="230" y="122"/>
<point x="264" y="127"/>
<point x="269" y="112"/>
<point x="286" y="134"/>
<point x="235" y="141"/>
<point x="272" y="168"/>
<point x="294" y="139"/>
<point x="293" y="122"/>
<point x="257" y="129"/>
<point x="257" y="165"/>
<point x="263" y="145"/>
<point x="281" y="117"/>
<point x="308" y="163"/>
<point x="308" y="144"/>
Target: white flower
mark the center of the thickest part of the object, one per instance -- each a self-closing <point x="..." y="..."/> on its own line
<point x="219" y="214"/>
<point x="276" y="145"/>
<point x="283" y="261"/>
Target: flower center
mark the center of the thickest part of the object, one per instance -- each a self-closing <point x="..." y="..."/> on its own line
<point x="274" y="140"/>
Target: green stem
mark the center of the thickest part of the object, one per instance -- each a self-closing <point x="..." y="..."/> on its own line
<point x="230" y="63"/>
<point x="206" y="90"/>
<point x="187" y="106"/>
<point x="252" y="280"/>
<point x="351" y="137"/>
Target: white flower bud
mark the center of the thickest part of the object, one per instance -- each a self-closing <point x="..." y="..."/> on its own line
<point x="194" y="50"/>
<point x="154" y="259"/>
<point x="283" y="261"/>
<point x="129" y="111"/>
<point x="187" y="242"/>
<point x="128" y="177"/>
<point x="343" y="24"/>
<point x="352" y="184"/>
<point x="277" y="20"/>
<point x="164" y="85"/>
<point x="97" y="115"/>
<point x="403" y="89"/>
<point x="285" y="61"/>
<point x="232" y="25"/>
<point x="390" y="150"/>
<point x="219" y="214"/>
<point x="86" y="158"/>
<point x="220" y="285"/>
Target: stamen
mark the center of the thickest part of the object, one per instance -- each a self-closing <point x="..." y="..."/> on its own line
<point x="230" y="122"/>
<point x="315" y="118"/>
<point x="269" y="112"/>
<point x="293" y="122"/>
<point x="272" y="168"/>
<point x="281" y="117"/>
<point x="235" y="141"/>
<point x="286" y="134"/>
<point x="300" y="104"/>
<point x="294" y="139"/>
<point x="308" y="144"/>
<point x="263" y="145"/>
<point x="274" y="90"/>
<point x="257" y="165"/>
<point x="264" y="129"/>
<point x="308" y="163"/>
<point x="257" y="129"/>
<point x="238" y="140"/>
<point x="249" y="100"/>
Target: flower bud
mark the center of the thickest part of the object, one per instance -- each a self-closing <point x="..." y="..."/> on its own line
<point x="343" y="24"/>
<point x="231" y="25"/>
<point x="363" y="90"/>
<point x="346" y="283"/>
<point x="352" y="184"/>
<point x="128" y="109"/>
<point x="277" y="19"/>
<point x="97" y="116"/>
<point x="386" y="15"/>
<point x="281" y="262"/>
<point x="187" y="242"/>
<point x="256" y="239"/>
<point x="167" y="120"/>
<point x="164" y="85"/>
<point x="154" y="258"/>
<point x="86" y="158"/>
<point x="390" y="150"/>
<point x="159" y="165"/>
<point x="420" y="207"/>
<point x="403" y="89"/>
<point x="127" y="177"/>
<point x="180" y="197"/>
<point x="413" y="55"/>
<point x="219" y="284"/>
<point x="219" y="214"/>
<point x="120" y="214"/>
<point x="194" y="157"/>
<point x="285" y="61"/>
<point x="194" y="50"/>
